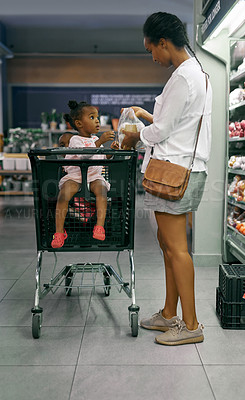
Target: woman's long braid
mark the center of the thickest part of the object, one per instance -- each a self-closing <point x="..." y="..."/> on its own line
<point x="187" y="44"/>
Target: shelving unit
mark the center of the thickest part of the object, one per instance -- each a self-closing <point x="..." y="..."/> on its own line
<point x="234" y="106"/>
<point x="234" y="241"/>
<point x="4" y="173"/>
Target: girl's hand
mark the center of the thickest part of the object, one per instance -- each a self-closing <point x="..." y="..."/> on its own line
<point x="115" y="145"/>
<point x="106" y="136"/>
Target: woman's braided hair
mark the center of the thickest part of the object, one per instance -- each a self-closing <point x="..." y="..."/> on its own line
<point x="168" y="26"/>
<point x="76" y="112"/>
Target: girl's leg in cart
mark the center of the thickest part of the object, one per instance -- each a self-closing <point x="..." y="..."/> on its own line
<point x="67" y="190"/>
<point x="98" y="187"/>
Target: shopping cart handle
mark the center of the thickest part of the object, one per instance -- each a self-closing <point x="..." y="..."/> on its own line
<point x="83" y="150"/>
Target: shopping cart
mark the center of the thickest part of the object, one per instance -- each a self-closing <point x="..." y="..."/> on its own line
<point x="120" y="171"/>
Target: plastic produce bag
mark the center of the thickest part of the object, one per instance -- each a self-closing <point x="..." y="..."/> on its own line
<point x="129" y="122"/>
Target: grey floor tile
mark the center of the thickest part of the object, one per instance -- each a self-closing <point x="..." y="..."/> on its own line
<point x="116" y="346"/>
<point x="24" y="236"/>
<point x="13" y="264"/>
<point x="56" y="312"/>
<point x="104" y="311"/>
<point x="205" y="289"/>
<point x="145" y="289"/>
<point x="206" y="312"/>
<point x="35" y="383"/>
<point x="141" y="382"/>
<point x="207" y="273"/>
<point x="56" y="346"/>
<point x="222" y="346"/>
<point x="5" y="286"/>
<point x="227" y="381"/>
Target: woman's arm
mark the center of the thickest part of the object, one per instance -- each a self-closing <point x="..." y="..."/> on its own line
<point x="142" y="113"/>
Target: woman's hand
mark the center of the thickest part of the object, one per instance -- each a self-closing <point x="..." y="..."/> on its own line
<point x="137" y="110"/>
<point x="141" y="113"/>
<point x="130" y="140"/>
<point x="105" y="137"/>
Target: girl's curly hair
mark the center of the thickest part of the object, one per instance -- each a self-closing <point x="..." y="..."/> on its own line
<point x="76" y="112"/>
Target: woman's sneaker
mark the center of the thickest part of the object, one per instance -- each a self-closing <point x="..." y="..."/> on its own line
<point x="158" y="323"/>
<point x="179" y="334"/>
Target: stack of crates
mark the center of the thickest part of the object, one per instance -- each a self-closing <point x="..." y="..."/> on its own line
<point x="230" y="296"/>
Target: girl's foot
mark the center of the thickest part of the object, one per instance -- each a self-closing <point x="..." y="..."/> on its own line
<point x="99" y="232"/>
<point x="58" y="240"/>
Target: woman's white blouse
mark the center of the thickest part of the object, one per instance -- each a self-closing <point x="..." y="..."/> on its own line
<point x="176" y="115"/>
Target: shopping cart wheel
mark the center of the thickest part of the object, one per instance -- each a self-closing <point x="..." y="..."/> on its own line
<point x="36" y="325"/>
<point x="107" y="287"/>
<point x="68" y="281"/>
<point x="134" y="324"/>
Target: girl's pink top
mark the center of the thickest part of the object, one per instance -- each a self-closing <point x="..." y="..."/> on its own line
<point x="73" y="172"/>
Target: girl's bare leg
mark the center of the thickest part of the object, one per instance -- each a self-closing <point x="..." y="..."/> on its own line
<point x="67" y="190"/>
<point x="99" y="189"/>
<point x="179" y="267"/>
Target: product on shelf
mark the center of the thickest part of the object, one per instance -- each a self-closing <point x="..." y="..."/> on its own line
<point x="232" y="188"/>
<point x="237" y="162"/>
<point x="241" y="67"/>
<point x="236" y="219"/>
<point x="237" y="129"/>
<point x="237" y="96"/>
<point x="237" y="189"/>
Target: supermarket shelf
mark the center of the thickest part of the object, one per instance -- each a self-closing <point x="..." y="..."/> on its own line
<point x="14" y="172"/>
<point x="238" y="76"/>
<point x="236" y="243"/>
<point x="237" y="105"/>
<point x="236" y="171"/>
<point x="233" y="202"/>
<point x="13" y="193"/>
<point x="237" y="139"/>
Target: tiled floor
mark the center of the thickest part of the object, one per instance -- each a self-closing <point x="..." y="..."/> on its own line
<point x="86" y="350"/>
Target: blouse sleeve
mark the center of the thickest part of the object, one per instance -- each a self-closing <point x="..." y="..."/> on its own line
<point x="167" y="112"/>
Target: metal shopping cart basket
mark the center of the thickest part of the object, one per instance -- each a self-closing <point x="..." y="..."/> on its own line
<point x="120" y="171"/>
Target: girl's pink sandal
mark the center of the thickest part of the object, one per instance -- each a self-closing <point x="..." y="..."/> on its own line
<point x="58" y="240"/>
<point x="99" y="232"/>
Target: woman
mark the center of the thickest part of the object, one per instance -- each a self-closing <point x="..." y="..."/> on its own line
<point x="171" y="135"/>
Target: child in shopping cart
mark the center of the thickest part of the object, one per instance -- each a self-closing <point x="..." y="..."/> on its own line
<point x="84" y="118"/>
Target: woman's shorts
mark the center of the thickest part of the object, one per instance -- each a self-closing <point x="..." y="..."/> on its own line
<point x="188" y="203"/>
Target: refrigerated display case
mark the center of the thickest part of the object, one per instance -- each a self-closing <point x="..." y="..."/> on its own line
<point x="220" y="45"/>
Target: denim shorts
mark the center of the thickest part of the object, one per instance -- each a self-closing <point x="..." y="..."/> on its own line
<point x="188" y="203"/>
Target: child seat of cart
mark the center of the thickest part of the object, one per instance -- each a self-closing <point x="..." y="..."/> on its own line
<point x="119" y="171"/>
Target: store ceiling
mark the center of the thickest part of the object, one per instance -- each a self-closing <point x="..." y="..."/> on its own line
<point x="83" y="26"/>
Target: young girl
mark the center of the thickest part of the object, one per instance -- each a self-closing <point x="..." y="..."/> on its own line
<point x="83" y="118"/>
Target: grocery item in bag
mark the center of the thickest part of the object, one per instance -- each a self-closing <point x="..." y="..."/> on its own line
<point x="129" y="122"/>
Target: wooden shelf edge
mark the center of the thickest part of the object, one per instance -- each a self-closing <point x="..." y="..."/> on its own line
<point x="15" y="172"/>
<point x="13" y="193"/>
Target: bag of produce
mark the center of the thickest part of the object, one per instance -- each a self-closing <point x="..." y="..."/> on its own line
<point x="129" y="122"/>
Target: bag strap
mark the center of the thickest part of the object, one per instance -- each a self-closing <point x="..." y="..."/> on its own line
<point x="199" y="126"/>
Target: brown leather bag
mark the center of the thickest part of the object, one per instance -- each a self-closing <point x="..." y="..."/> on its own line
<point x="167" y="180"/>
